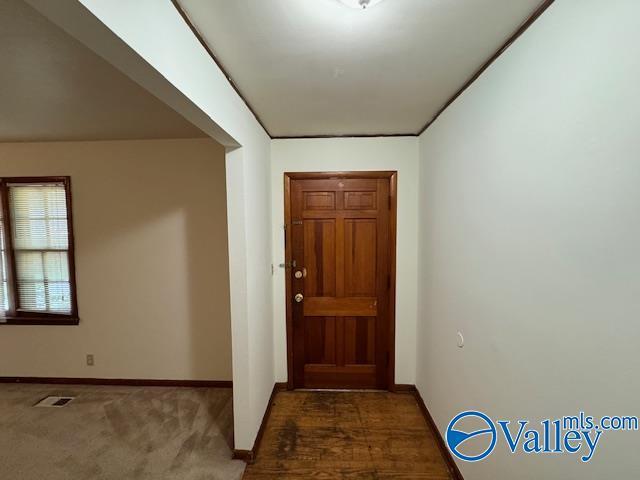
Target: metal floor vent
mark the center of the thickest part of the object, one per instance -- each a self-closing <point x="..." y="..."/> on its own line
<point x="54" y="402"/>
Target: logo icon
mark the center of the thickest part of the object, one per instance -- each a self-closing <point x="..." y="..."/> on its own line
<point x="480" y="426"/>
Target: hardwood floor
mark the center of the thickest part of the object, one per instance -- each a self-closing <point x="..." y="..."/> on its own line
<point x="347" y="435"/>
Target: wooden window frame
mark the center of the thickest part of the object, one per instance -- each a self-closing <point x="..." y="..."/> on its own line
<point x="14" y="316"/>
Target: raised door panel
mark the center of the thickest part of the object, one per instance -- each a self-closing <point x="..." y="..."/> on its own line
<point x="359" y="340"/>
<point x="319" y="200"/>
<point x="320" y="257"/>
<point x="320" y="340"/>
<point x="360" y="200"/>
<point x="360" y="257"/>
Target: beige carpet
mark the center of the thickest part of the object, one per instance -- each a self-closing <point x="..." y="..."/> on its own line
<point x="117" y="433"/>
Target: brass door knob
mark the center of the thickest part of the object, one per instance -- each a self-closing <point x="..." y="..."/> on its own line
<point x="298" y="298"/>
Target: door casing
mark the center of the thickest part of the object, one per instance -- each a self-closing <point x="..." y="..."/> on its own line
<point x="392" y="176"/>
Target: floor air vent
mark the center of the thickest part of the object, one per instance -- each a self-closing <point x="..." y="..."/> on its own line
<point x="54" y="402"/>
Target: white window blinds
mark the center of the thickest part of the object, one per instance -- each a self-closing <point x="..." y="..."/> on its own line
<point x="4" y="294"/>
<point x="41" y="247"/>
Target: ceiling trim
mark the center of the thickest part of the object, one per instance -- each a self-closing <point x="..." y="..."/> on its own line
<point x="346" y="135"/>
<point x="200" y="39"/>
<point x="527" y="23"/>
<point x="521" y="29"/>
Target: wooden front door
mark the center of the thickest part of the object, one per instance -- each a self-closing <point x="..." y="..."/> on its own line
<point x="340" y="286"/>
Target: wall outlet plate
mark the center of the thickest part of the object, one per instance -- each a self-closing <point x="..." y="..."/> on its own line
<point x="90" y="361"/>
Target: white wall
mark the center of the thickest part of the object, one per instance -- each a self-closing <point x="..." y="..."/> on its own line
<point x="530" y="239"/>
<point x="345" y="154"/>
<point x="151" y="261"/>
<point x="149" y="41"/>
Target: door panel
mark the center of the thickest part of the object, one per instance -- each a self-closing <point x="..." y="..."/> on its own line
<point x="320" y="336"/>
<point x="320" y="257"/>
<point x="360" y="257"/>
<point x="359" y="340"/>
<point x="341" y="241"/>
<point x="360" y="200"/>
<point x="319" y="200"/>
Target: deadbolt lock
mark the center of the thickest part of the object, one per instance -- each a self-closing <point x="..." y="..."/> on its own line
<point x="299" y="297"/>
<point x="291" y="264"/>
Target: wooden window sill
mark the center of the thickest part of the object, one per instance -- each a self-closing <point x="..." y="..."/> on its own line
<point x="35" y="320"/>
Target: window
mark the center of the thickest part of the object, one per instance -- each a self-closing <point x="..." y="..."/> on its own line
<point x="36" y="252"/>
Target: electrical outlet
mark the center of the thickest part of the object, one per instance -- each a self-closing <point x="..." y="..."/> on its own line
<point x="90" y="360"/>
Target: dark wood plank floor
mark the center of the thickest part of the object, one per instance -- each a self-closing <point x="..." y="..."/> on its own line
<point x="347" y="435"/>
